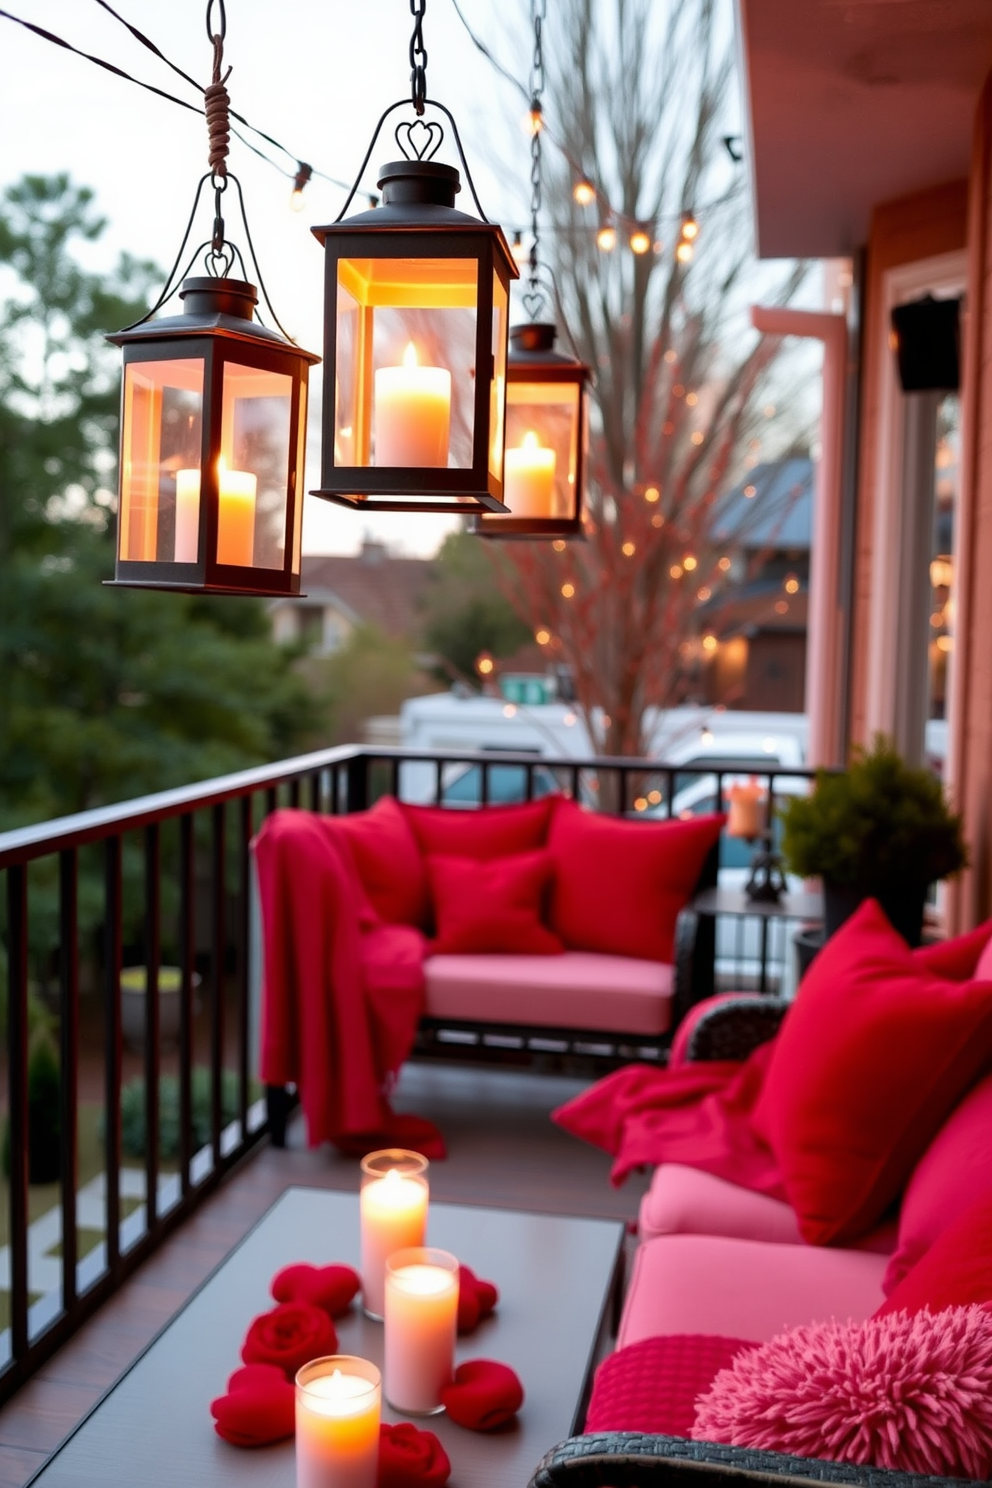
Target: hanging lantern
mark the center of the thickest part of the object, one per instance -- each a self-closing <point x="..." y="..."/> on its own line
<point x="212" y="433"/>
<point x="416" y="317"/>
<point x="546" y="435"/>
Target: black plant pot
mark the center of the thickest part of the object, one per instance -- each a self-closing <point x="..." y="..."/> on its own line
<point x="904" y="908"/>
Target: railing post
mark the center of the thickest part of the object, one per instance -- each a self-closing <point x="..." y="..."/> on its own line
<point x="17" y="1036"/>
<point x="357" y="783"/>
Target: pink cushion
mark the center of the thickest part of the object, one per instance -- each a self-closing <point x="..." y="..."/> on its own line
<point x="956" y="1270"/>
<point x="615" y="994"/>
<point x="490" y="832"/>
<point x="743" y="1288"/>
<point x="913" y="1393"/>
<point x="955" y="1170"/>
<point x="388" y="861"/>
<point x="619" y="885"/>
<point x="873" y="1054"/>
<point x="652" y="1385"/>
<point x="492" y="906"/>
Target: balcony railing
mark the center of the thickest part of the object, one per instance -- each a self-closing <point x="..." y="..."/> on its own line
<point x="168" y="878"/>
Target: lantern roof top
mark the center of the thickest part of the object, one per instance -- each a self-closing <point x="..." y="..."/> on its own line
<point x="532" y="343"/>
<point x="212" y="307"/>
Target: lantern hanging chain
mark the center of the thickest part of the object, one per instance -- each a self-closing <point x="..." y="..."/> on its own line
<point x="418" y="57"/>
<point x="217" y="110"/>
<point x="538" y="9"/>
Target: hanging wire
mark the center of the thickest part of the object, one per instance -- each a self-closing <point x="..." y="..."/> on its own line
<point x="538" y="12"/>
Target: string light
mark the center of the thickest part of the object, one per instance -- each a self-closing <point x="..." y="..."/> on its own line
<point x="640" y="242"/>
<point x="689" y="562"/>
<point x="652" y="494"/>
<point x="518" y="249"/>
<point x="710" y="643"/>
<point x="690" y="228"/>
<point x="628" y="550"/>
<point x="584" y="192"/>
<point x="542" y="636"/>
<point x="568" y="591"/>
<point x="791" y="585"/>
<point x="606" y="238"/>
<point x="303" y="175"/>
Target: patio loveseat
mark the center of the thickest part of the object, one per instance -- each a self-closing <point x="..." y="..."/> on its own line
<point x="537" y="922"/>
<point x="865" y="1121"/>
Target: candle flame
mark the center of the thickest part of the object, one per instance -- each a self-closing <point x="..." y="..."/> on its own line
<point x="410" y="355"/>
<point x="530" y="441"/>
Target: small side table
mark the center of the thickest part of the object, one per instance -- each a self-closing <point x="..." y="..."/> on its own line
<point x="713" y="903"/>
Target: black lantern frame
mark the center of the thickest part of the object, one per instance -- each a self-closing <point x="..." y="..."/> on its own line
<point x="213" y="428"/>
<point x="547" y="408"/>
<point x="415" y="270"/>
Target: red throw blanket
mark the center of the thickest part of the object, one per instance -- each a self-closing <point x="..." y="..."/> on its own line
<point x="694" y="1114"/>
<point x="342" y="991"/>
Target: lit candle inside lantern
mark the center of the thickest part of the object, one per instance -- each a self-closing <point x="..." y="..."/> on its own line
<point x="337" y="1423"/>
<point x="529" y="481"/>
<point x="746" y="817"/>
<point x="421" y="1321"/>
<point x="236" y="515"/>
<point x="412" y="413"/>
<point x="393" y="1211"/>
<point x="187" y="516"/>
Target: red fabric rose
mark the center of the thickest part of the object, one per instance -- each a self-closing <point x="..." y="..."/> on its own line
<point x="289" y="1336"/>
<point x="476" y="1299"/>
<point x="483" y="1395"/>
<point x="409" y="1458"/>
<point x="329" y="1287"/>
<point x="259" y="1407"/>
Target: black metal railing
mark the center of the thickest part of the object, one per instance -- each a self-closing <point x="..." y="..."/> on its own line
<point x="168" y="878"/>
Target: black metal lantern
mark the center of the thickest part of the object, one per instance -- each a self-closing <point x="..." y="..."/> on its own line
<point x="546" y="437"/>
<point x="416" y="322"/>
<point x="213" y="425"/>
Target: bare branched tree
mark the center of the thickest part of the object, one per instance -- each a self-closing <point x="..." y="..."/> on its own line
<point x="636" y="101"/>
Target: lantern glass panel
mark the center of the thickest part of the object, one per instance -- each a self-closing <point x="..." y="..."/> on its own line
<point x="253" y="467"/>
<point x="497" y="390"/>
<point x="162" y="438"/>
<point x="405" y="362"/>
<point x="542" y="449"/>
<point x="300" y="464"/>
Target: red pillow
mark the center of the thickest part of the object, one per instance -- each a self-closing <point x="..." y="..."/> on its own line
<point x="490" y="832"/>
<point x="874" y="1053"/>
<point x="959" y="957"/>
<point x="388" y="861"/>
<point x="619" y="885"/>
<point x="493" y="906"/>
<point x="652" y="1385"/>
<point x="956" y="1270"/>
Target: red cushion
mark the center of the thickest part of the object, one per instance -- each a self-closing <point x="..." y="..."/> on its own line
<point x="619" y="885"/>
<point x="388" y="861"/>
<point x="959" y="957"/>
<point x="491" y="906"/>
<point x="874" y="1053"/>
<point x="490" y="832"/>
<point x="652" y="1385"/>
<point x="956" y="1270"/>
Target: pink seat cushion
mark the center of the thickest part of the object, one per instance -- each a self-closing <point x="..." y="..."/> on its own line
<point x="578" y="989"/>
<point x="955" y="1170"/>
<point x="652" y="1385"/>
<point x="744" y="1288"/>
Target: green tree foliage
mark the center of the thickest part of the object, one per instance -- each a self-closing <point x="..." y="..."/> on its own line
<point x="371" y="674"/>
<point x="105" y="693"/>
<point x="466" y="612"/>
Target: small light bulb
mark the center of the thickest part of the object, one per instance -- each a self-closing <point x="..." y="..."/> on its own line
<point x="684" y="252"/>
<point x="606" y="239"/>
<point x="690" y="227"/>
<point x="639" y="242"/>
<point x="584" y="192"/>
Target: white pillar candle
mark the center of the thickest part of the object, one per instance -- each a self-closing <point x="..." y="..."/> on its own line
<point x="393" y="1212"/>
<point x="746" y="817"/>
<point x="412" y="413"/>
<point x="236" y="516"/>
<point x="187" y="516"/>
<point x="421" y="1322"/>
<point x="529" y="478"/>
<point x="338" y="1403"/>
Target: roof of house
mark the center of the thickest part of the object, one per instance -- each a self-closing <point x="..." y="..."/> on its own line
<point x="370" y="588"/>
<point x="771" y="507"/>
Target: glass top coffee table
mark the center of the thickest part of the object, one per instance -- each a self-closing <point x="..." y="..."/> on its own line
<point x="558" y="1278"/>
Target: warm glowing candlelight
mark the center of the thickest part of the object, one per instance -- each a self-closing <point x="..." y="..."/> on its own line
<point x="187" y="516"/>
<point x="421" y="1320"/>
<point x="412" y="413"/>
<point x="337" y="1423"/>
<point x="746" y="817"/>
<point x="236" y="516"/>
<point x="529" y="489"/>
<point x="393" y="1212"/>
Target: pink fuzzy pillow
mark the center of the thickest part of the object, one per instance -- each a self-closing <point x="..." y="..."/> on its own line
<point x="913" y="1393"/>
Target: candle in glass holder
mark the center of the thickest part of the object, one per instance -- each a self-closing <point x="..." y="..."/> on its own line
<point x="529" y="479"/>
<point x="393" y="1211"/>
<point x="421" y="1322"/>
<point x="412" y="413"/>
<point x="746" y="817"/>
<point x="338" y="1400"/>
<point x="236" y="494"/>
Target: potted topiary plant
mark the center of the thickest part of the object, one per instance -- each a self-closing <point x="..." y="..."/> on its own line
<point x="880" y="829"/>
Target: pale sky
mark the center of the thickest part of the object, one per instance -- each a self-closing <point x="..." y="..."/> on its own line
<point x="315" y="75"/>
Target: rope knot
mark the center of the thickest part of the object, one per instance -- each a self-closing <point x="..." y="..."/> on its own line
<point x="217" y="107"/>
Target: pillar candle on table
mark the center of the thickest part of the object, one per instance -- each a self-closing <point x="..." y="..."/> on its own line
<point x="338" y="1400"/>
<point x="393" y="1210"/>
<point x="529" y="478"/>
<point x="412" y="413"/>
<point x="421" y="1322"/>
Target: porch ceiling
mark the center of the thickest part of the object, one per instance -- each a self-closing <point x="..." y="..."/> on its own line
<point x="853" y="102"/>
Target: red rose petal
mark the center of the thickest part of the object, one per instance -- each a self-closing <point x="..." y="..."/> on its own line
<point x="329" y="1287"/>
<point x="410" y="1458"/>
<point x="260" y="1407"/>
<point x="483" y="1395"/>
<point x="289" y="1336"/>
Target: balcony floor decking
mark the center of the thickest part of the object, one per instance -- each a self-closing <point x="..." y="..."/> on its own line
<point x="503" y="1152"/>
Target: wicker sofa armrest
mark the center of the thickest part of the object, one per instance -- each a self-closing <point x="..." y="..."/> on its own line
<point x="620" y="1459"/>
<point x="734" y="1027"/>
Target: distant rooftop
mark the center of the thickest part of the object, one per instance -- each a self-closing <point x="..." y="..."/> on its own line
<point x="371" y="587"/>
<point x="771" y="507"/>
